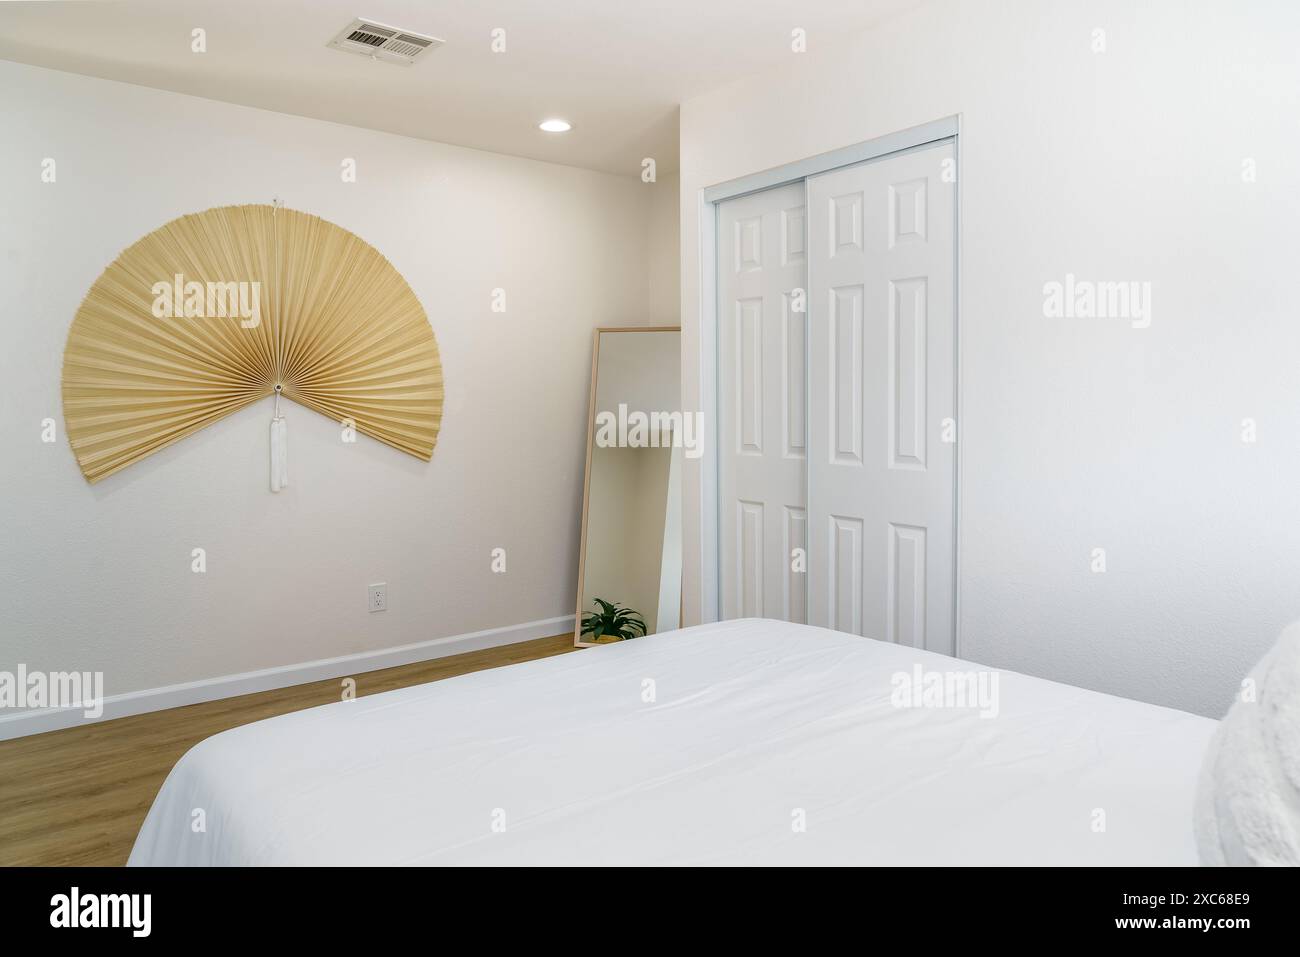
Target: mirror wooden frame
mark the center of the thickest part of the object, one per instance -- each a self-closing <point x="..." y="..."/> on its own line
<point x="586" y="475"/>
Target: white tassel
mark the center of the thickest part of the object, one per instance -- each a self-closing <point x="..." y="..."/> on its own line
<point x="279" y="448"/>
<point x="276" y="452"/>
<point x="284" y="452"/>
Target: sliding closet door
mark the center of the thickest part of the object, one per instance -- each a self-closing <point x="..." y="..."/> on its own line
<point x="881" y="478"/>
<point x="762" y="273"/>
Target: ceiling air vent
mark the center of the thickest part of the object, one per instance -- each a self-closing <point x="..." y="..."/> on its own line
<point x="380" y="42"/>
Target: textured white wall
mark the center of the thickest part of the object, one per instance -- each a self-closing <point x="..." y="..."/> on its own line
<point x="98" y="578"/>
<point x="1079" y="434"/>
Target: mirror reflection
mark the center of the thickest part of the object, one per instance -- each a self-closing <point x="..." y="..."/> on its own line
<point x="630" y="566"/>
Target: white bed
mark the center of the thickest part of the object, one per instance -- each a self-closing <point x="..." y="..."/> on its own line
<point x="756" y="725"/>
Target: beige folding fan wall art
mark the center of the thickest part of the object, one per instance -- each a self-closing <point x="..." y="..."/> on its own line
<point x="217" y="310"/>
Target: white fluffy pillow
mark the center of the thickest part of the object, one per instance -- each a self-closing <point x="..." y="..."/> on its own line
<point x="1248" y="798"/>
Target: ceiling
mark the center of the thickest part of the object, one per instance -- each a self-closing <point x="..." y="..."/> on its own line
<point x="616" y="69"/>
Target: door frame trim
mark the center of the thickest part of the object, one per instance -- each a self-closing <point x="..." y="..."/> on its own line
<point x="926" y="134"/>
<point x="788" y="173"/>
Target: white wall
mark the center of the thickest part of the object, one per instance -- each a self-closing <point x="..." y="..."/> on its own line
<point x="664" y="251"/>
<point x="1078" y="434"/>
<point x="98" y="578"/>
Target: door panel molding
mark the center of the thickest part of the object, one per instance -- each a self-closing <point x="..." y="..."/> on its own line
<point x="882" y="329"/>
<point x="762" y="416"/>
<point x="909" y="222"/>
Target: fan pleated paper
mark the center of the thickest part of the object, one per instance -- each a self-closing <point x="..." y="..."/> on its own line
<point x="212" y="311"/>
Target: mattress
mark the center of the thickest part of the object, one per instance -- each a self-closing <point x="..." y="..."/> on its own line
<point x="749" y="742"/>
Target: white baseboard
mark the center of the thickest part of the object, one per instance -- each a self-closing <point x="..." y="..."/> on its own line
<point x="229" y="686"/>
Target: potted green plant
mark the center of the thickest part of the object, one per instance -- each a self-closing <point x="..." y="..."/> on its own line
<point x="612" y="623"/>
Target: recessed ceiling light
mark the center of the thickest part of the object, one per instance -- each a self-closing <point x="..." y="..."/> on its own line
<point x="555" y="126"/>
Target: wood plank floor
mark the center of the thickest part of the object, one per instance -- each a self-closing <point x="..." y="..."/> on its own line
<point x="79" y="796"/>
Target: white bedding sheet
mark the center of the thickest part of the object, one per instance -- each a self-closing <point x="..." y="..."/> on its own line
<point x="753" y="722"/>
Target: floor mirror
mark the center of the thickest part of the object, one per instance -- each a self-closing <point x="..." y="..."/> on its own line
<point x="630" y="557"/>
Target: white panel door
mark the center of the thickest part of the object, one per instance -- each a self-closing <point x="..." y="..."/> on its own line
<point x="761" y="403"/>
<point x="882" y="477"/>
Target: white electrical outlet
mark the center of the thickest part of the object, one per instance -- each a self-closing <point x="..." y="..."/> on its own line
<point x="379" y="596"/>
